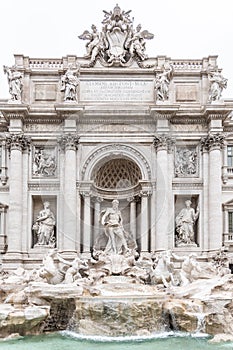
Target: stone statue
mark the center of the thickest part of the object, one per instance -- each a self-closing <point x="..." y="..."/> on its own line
<point x="74" y="268"/>
<point x="15" y="83"/>
<point x="137" y="44"/>
<point x="185" y="225"/>
<point x="94" y="43"/>
<point x="69" y="83"/>
<point x="163" y="272"/>
<point x="162" y="81"/>
<point x="44" y="226"/>
<point x="112" y="220"/>
<point x="49" y="270"/>
<point x="217" y="84"/>
<point x="43" y="163"/>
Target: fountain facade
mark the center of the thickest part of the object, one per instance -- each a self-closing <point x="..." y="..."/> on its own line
<point x="116" y="188"/>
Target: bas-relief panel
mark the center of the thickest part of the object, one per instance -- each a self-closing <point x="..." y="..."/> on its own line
<point x="44" y="162"/>
<point x="186" y="161"/>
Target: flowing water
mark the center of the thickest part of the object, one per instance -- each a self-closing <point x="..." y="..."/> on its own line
<point x="72" y="341"/>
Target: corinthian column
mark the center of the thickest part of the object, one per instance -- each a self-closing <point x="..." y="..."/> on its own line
<point x="16" y="143"/>
<point x="163" y="144"/>
<point x="144" y="236"/>
<point x="87" y="227"/>
<point x="214" y="143"/>
<point x="69" y="143"/>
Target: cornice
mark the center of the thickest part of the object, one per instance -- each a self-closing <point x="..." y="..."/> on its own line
<point x="14" y="111"/>
<point x="67" y="109"/>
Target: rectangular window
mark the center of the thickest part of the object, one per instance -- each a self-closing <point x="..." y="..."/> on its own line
<point x="230" y="221"/>
<point x="230" y="156"/>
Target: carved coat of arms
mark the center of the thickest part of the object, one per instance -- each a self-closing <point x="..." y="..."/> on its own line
<point x="118" y="42"/>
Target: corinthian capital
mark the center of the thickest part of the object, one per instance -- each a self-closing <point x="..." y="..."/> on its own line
<point x="18" y="142"/>
<point x="212" y="141"/>
<point x="164" y="142"/>
<point x="68" y="141"/>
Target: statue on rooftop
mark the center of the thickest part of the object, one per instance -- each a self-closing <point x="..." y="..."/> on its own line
<point x="15" y="83"/>
<point x="217" y="84"/>
<point x="69" y="83"/>
<point x="118" y="42"/>
<point x="162" y="82"/>
<point x="94" y="43"/>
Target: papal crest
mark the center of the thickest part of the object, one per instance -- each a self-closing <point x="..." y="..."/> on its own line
<point x="118" y="42"/>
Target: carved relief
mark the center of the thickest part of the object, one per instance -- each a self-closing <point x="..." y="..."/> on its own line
<point x="186" y="162"/>
<point x="118" y="42"/>
<point x="44" y="163"/>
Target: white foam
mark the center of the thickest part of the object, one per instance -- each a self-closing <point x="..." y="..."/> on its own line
<point x="161" y="335"/>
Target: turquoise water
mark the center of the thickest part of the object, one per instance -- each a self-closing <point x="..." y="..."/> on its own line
<point x="70" y="341"/>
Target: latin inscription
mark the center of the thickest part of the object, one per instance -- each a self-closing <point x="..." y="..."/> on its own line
<point x="117" y="90"/>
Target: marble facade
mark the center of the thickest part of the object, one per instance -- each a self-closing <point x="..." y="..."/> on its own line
<point x="79" y="132"/>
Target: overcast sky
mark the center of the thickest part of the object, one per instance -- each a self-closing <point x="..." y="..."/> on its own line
<point x="183" y="29"/>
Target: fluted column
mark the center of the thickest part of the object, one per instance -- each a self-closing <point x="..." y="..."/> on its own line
<point x="86" y="241"/>
<point x="3" y="175"/>
<point x="16" y="143"/>
<point x="97" y="201"/>
<point x="214" y="143"/>
<point x="153" y="217"/>
<point x="133" y="217"/>
<point x="144" y="193"/>
<point x="163" y="144"/>
<point x="69" y="143"/>
<point x="205" y="212"/>
<point x="225" y="165"/>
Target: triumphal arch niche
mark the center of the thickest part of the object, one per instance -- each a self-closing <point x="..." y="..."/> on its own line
<point x="150" y="136"/>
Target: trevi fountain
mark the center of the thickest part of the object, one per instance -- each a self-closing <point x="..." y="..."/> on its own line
<point x="116" y="210"/>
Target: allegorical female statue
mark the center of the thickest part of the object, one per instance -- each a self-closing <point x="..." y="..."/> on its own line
<point x="44" y="226"/>
<point x="185" y="221"/>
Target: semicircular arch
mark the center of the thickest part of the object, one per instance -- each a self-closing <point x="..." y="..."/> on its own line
<point x="104" y="153"/>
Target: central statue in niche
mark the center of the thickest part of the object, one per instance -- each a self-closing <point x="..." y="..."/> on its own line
<point x="111" y="219"/>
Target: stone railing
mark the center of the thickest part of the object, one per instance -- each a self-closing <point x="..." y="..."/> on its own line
<point x="228" y="237"/>
<point x="45" y="63"/>
<point x="230" y="170"/>
<point x="187" y="64"/>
